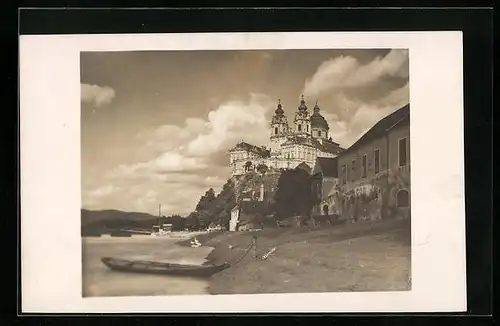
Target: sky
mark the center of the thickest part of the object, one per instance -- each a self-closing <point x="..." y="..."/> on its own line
<point x="156" y="126"/>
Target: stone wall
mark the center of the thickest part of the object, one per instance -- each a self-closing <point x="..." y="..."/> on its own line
<point x="374" y="199"/>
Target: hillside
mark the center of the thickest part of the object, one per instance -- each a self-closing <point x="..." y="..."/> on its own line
<point x="250" y="183"/>
<point x="104" y="220"/>
<point x="216" y="209"/>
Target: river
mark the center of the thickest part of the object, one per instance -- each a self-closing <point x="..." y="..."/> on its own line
<point x="99" y="281"/>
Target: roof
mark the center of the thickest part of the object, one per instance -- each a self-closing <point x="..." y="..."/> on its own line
<point x="331" y="147"/>
<point x="397" y="118"/>
<point x="262" y="151"/>
<point x="317" y="120"/>
<point x="329" y="167"/>
<point x="327" y="146"/>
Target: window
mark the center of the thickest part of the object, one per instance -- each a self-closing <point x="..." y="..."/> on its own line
<point x="319" y="133"/>
<point x="300" y="127"/>
<point x="377" y="161"/>
<point x="402" y="152"/>
<point x="353" y="177"/>
<point x="276" y="130"/>
<point x="363" y="163"/>
<point x="344" y="175"/>
<point x="403" y="198"/>
<point x="307" y="128"/>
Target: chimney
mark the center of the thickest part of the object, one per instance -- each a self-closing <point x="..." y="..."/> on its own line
<point x="261" y="192"/>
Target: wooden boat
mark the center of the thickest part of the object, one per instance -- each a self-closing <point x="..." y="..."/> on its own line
<point x="152" y="267"/>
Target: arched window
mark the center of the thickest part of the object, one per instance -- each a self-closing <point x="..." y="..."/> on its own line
<point x="325" y="210"/>
<point x="276" y="130"/>
<point x="403" y="198"/>
<point x="300" y="127"/>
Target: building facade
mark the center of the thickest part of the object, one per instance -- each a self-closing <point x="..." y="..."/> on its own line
<point x="324" y="181"/>
<point x="373" y="178"/>
<point x="290" y="146"/>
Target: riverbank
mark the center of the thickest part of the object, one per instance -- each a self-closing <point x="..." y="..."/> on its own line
<point x="367" y="256"/>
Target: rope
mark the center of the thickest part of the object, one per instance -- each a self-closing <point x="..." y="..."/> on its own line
<point x="244" y="254"/>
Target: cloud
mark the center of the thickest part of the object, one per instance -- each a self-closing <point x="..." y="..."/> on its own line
<point x="347" y="127"/>
<point x="103" y="191"/>
<point x="94" y="196"/>
<point x="177" y="192"/>
<point x="97" y="95"/>
<point x="186" y="160"/>
<point x="354" y="95"/>
<point x="232" y="122"/>
<point x="225" y="125"/>
<point x="168" y="162"/>
<point x="347" y="72"/>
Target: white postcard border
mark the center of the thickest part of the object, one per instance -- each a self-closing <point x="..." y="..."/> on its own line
<point x="51" y="185"/>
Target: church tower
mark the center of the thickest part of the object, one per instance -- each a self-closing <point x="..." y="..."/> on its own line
<point x="319" y="126"/>
<point x="279" y="127"/>
<point x="302" y="120"/>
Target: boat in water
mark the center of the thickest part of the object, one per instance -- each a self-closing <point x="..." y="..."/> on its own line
<point x="152" y="267"/>
<point x="159" y="232"/>
<point x="161" y="229"/>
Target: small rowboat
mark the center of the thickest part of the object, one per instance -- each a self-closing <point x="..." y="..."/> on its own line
<point x="152" y="267"/>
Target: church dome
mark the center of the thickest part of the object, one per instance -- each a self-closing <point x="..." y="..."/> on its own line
<point x="317" y="120"/>
<point x="302" y="106"/>
<point x="279" y="109"/>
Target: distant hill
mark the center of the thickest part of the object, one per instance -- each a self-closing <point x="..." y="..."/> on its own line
<point x="105" y="220"/>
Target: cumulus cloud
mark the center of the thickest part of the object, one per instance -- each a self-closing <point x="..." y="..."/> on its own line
<point x="94" y="196"/>
<point x="168" y="162"/>
<point x="228" y="123"/>
<point x="232" y="122"/>
<point x="356" y="95"/>
<point x="352" y="123"/>
<point x="97" y="95"/>
<point x="347" y="72"/>
<point x="183" y="158"/>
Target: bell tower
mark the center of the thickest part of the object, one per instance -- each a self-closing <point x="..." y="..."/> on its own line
<point x="302" y="120"/>
<point x="279" y="127"/>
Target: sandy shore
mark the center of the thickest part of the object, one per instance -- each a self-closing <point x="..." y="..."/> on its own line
<point x="368" y="256"/>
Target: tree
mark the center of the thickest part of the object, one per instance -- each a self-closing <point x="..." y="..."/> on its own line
<point x="262" y="168"/>
<point x="214" y="208"/>
<point x="191" y="222"/>
<point x="293" y="196"/>
<point x="177" y="221"/>
<point x="206" y="200"/>
<point x="248" y="166"/>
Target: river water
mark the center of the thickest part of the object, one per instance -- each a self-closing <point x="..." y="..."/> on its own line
<point x="99" y="281"/>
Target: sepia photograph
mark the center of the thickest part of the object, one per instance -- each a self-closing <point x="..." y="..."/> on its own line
<point x="245" y="171"/>
<point x="242" y="172"/>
